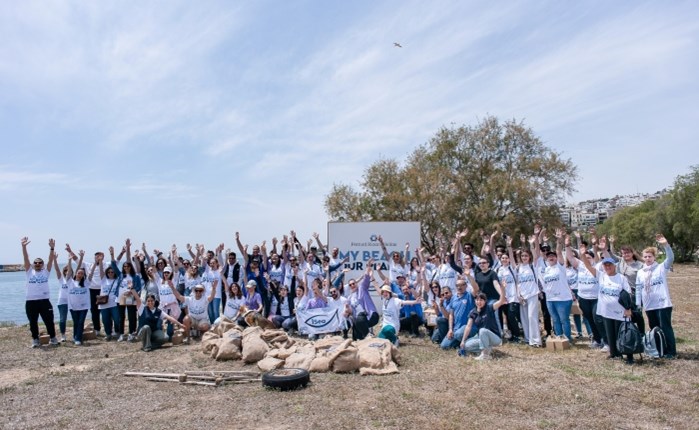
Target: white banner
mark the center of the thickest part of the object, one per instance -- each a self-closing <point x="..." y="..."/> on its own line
<point x="318" y="321"/>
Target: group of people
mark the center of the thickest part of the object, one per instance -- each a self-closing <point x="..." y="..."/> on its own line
<point x="460" y="299"/>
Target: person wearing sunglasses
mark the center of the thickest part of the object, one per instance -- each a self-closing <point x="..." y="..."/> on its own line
<point x="38" y="295"/>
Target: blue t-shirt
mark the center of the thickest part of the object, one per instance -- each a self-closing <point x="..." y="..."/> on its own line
<point x="461" y="307"/>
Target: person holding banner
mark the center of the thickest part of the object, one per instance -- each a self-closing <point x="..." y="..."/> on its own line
<point x="391" y="314"/>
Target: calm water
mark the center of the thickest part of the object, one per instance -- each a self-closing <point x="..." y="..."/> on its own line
<point x="12" y="290"/>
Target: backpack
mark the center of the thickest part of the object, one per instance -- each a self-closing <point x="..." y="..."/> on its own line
<point x="654" y="343"/>
<point x="629" y="340"/>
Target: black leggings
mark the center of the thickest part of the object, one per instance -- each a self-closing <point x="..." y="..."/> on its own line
<point x="545" y="312"/>
<point x="589" y="310"/>
<point x="361" y="326"/>
<point x="132" y="317"/>
<point x="611" y="327"/>
<point x="513" y="319"/>
<point x="43" y="308"/>
<point x="663" y="318"/>
<point x="94" y="310"/>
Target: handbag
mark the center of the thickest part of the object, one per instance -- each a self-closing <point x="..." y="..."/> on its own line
<point x="104" y="299"/>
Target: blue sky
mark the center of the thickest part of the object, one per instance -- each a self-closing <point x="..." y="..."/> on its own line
<point x="175" y="122"/>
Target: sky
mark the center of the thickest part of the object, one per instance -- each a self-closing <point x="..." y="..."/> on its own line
<point x="183" y="122"/>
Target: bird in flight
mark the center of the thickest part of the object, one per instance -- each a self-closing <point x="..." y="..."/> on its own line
<point x="397" y="45"/>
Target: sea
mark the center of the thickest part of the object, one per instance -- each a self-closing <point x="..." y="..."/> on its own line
<point x="12" y="291"/>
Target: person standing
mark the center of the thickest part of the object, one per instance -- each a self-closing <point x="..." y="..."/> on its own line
<point x="38" y="295"/>
<point x="653" y="294"/>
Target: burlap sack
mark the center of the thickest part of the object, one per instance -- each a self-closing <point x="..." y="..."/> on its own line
<point x="284" y="353"/>
<point x="328" y="343"/>
<point x="269" y="335"/>
<point x="269" y="363"/>
<point x="302" y="358"/>
<point x="374" y="353"/>
<point x="223" y="326"/>
<point x="254" y="348"/>
<point x="321" y="363"/>
<point x="345" y="358"/>
<point x="208" y="340"/>
<point x="391" y="368"/>
<point x="395" y="354"/>
<point x="229" y="346"/>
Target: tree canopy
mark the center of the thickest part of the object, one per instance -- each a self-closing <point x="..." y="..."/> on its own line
<point x="492" y="174"/>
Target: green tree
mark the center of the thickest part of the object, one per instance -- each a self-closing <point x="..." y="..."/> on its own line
<point x="492" y="174"/>
<point x="635" y="226"/>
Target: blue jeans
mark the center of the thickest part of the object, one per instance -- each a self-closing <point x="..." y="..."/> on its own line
<point x="455" y="341"/>
<point x="214" y="310"/>
<point x="62" y="317"/>
<point x="560" y="314"/>
<point x="441" y="330"/>
<point x="78" y="318"/>
<point x="483" y="340"/>
<point x="110" y="316"/>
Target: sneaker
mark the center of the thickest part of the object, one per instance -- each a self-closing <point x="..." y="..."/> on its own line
<point x="147" y="349"/>
<point x="485" y="355"/>
<point x="98" y="333"/>
<point x="185" y="341"/>
<point x="669" y="356"/>
<point x="508" y="334"/>
<point x="121" y="338"/>
<point x="63" y="338"/>
<point x="605" y="348"/>
<point x="396" y="343"/>
<point x="595" y="345"/>
<point x="78" y="343"/>
<point x="131" y="338"/>
<point x="36" y="343"/>
<point x="108" y="338"/>
<point x="579" y="336"/>
<point x="53" y="341"/>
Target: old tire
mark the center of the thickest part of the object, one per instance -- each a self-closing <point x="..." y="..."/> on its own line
<point x="286" y="379"/>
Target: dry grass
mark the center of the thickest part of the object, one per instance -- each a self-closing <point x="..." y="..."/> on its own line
<point x="69" y="387"/>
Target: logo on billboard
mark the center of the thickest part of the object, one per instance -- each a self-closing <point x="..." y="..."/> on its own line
<point x="374" y="238"/>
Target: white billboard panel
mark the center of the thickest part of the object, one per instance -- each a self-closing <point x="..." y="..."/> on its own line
<point x="359" y="241"/>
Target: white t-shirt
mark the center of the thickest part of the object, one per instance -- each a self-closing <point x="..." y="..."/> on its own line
<point x="276" y="273"/>
<point x="447" y="277"/>
<point x="658" y="296"/>
<point x="528" y="286"/>
<point x="555" y="283"/>
<point x="588" y="285"/>
<point x="108" y="289"/>
<point x="165" y="292"/>
<point x="395" y="269"/>
<point x="314" y="271"/>
<point x="78" y="297"/>
<point x="37" y="287"/>
<point x="233" y="307"/>
<point x="284" y="307"/>
<point x="609" y="290"/>
<point x="96" y="283"/>
<point x="190" y="283"/>
<point x="125" y="296"/>
<point x="208" y="278"/>
<point x="391" y="312"/>
<point x="198" y="309"/>
<point x="505" y="275"/>
<point x="63" y="292"/>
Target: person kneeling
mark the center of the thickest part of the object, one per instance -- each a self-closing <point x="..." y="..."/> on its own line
<point x="150" y="327"/>
<point x="489" y="334"/>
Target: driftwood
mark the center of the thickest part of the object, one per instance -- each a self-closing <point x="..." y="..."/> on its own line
<point x="213" y="378"/>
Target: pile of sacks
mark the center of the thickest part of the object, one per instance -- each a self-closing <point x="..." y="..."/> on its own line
<point x="273" y="349"/>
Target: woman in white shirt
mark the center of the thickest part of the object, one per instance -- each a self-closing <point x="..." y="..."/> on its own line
<point x="653" y="293"/>
<point x="611" y="283"/>
<point x="78" y="297"/>
<point x="38" y="294"/>
<point x="559" y="298"/>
